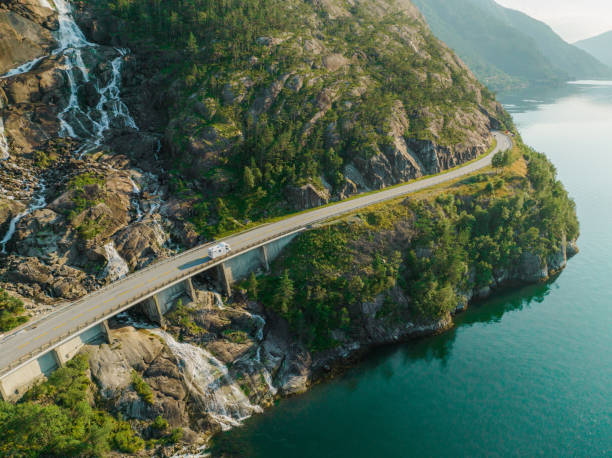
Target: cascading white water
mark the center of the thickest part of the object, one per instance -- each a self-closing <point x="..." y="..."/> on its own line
<point x="4" y="148"/>
<point x="262" y="324"/>
<point x="38" y="202"/>
<point x="69" y="35"/>
<point x="211" y="385"/>
<point x="136" y="200"/>
<point x="218" y="300"/>
<point x="88" y="124"/>
<point x="116" y="266"/>
<point x="24" y="68"/>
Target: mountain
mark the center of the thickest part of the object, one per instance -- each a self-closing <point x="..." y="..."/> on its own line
<point x="599" y="47"/>
<point x="506" y="48"/>
<point x="133" y="130"/>
<point x="152" y="127"/>
<point x="274" y="106"/>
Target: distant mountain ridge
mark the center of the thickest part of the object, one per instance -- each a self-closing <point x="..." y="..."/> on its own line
<point x="599" y="47"/>
<point x="507" y="48"/>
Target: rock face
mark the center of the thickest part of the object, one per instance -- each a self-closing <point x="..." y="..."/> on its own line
<point x="25" y="28"/>
<point x="112" y="367"/>
<point x="307" y="196"/>
<point x="74" y="164"/>
<point x="328" y="94"/>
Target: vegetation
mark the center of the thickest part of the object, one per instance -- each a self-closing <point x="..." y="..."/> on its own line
<point x="88" y="190"/>
<point x="458" y="238"/>
<point x="12" y="313"/>
<point x="142" y="388"/>
<point x="56" y="418"/>
<point x="507" y="49"/>
<point x="237" y="148"/>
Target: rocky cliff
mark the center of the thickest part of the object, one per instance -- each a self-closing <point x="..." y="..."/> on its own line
<point x="341" y="98"/>
<point x="113" y="158"/>
<point x="383" y="275"/>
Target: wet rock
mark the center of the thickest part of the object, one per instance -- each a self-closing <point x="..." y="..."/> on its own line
<point x="8" y="210"/>
<point x="139" y="244"/>
<point x="24" y="35"/>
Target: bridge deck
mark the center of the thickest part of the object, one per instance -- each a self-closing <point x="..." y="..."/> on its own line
<point x="18" y="348"/>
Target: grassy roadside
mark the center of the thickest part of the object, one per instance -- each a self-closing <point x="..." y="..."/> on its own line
<point x="356" y="196"/>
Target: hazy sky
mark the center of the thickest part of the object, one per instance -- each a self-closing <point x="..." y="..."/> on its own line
<point x="572" y="19"/>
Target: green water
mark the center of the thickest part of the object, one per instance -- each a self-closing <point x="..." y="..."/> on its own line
<point x="528" y="373"/>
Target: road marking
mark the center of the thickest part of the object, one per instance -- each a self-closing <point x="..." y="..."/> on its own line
<point x="41" y="336"/>
<point x="93" y="308"/>
<point x="261" y="233"/>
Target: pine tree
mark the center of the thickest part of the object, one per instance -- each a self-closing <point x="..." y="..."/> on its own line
<point x="284" y="293"/>
<point x="249" y="178"/>
<point x="192" y="43"/>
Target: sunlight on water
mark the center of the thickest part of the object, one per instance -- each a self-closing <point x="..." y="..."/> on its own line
<point x="525" y="374"/>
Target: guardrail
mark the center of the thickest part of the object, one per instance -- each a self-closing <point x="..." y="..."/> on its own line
<point x="182" y="276"/>
<point x="49" y="345"/>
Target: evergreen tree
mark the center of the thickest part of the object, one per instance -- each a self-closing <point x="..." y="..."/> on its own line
<point x="249" y="178"/>
<point x="284" y="293"/>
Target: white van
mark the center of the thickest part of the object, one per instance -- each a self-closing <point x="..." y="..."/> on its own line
<point x="218" y="250"/>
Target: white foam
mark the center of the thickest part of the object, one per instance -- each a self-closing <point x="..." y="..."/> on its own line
<point x="38" y="202"/>
<point x="210" y="383"/>
<point x="4" y="148"/>
<point x="116" y="266"/>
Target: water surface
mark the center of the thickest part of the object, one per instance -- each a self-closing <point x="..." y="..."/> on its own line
<point x="528" y="373"/>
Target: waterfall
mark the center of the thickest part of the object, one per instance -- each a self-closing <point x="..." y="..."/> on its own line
<point x="116" y="266"/>
<point x="24" y="68"/>
<point x="218" y="300"/>
<point x="4" y="148"/>
<point x="90" y="125"/>
<point x="136" y="200"/>
<point x="262" y="324"/>
<point x="38" y="202"/>
<point x="211" y="385"/>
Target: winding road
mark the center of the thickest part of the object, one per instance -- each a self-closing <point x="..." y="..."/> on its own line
<point x="23" y="345"/>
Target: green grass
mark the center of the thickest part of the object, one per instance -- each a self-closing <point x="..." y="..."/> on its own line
<point x="12" y="312"/>
<point x="356" y="196"/>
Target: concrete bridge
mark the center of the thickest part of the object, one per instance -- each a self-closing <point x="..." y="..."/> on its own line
<point x="36" y="350"/>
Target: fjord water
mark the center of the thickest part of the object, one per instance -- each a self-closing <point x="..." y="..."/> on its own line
<point x="526" y="373"/>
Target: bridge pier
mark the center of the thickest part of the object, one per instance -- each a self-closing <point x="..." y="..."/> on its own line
<point x="152" y="310"/>
<point x="3" y="394"/>
<point x="224" y="275"/>
<point x="190" y="290"/>
<point x="106" y="332"/>
<point x="263" y="251"/>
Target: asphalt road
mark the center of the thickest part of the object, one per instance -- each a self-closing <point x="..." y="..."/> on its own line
<point x="48" y="331"/>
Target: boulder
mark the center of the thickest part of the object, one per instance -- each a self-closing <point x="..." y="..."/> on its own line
<point x="334" y="62"/>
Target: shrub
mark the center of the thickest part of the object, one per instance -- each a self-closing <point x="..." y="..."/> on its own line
<point x="11" y="311"/>
<point x="142" y="388"/>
